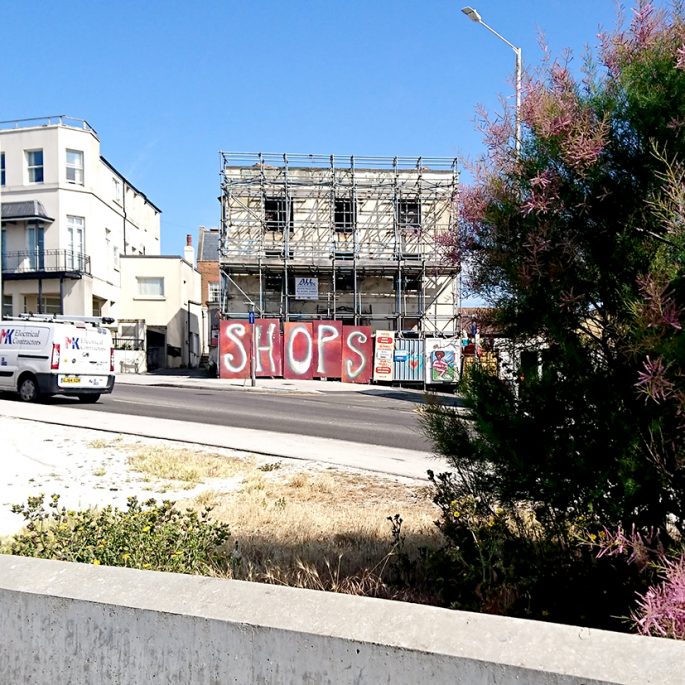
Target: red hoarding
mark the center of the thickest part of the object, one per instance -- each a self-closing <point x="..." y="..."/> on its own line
<point x="268" y="348"/>
<point x="235" y="339"/>
<point x="298" y="350"/>
<point x="357" y="354"/>
<point x="327" y="349"/>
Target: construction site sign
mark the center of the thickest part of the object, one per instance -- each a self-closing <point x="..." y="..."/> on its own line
<point x="383" y="357"/>
<point x="306" y="288"/>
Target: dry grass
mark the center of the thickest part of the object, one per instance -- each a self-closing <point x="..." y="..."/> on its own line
<point x="325" y="530"/>
<point x="189" y="466"/>
<point x="321" y="529"/>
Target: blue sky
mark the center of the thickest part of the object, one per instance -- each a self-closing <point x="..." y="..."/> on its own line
<point x="169" y="84"/>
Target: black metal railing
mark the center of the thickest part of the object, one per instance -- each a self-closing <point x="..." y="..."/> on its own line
<point x="34" y="261"/>
<point x="124" y="342"/>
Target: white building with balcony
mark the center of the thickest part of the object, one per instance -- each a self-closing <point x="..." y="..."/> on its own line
<point x="67" y="217"/>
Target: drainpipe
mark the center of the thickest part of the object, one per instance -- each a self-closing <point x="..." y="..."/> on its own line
<point x="197" y="304"/>
<point x="123" y="206"/>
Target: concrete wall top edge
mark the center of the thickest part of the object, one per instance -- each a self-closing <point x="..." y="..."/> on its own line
<point x="590" y="654"/>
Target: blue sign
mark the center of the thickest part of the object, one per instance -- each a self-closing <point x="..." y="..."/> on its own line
<point x="251" y="317"/>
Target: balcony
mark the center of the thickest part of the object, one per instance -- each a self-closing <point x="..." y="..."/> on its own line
<point x="28" y="264"/>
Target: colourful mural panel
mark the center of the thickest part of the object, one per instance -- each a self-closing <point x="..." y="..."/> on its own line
<point x="357" y="354"/>
<point x="443" y="360"/>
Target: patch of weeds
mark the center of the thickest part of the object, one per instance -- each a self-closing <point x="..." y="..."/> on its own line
<point x="185" y="464"/>
<point x="272" y="466"/>
<point x="99" y="444"/>
<point x="144" y="535"/>
<point x="99" y="471"/>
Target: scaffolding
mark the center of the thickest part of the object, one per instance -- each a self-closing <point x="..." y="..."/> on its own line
<point x="367" y="228"/>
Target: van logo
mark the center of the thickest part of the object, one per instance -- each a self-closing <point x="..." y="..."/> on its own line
<point x="6" y="336"/>
<point x="72" y="343"/>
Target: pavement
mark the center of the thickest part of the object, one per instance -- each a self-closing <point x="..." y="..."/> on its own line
<point x="46" y="446"/>
<point x="198" y="378"/>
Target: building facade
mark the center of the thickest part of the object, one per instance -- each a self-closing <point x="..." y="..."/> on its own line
<point x="163" y="291"/>
<point x="68" y="216"/>
<point x="210" y="275"/>
<point x="307" y="237"/>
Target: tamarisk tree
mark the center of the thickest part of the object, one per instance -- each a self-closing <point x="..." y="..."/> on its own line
<point x="578" y="242"/>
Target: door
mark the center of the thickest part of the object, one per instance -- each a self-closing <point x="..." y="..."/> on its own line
<point x="35" y="237"/>
<point x="75" y="233"/>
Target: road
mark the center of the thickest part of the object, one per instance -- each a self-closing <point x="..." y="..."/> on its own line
<point x="374" y="420"/>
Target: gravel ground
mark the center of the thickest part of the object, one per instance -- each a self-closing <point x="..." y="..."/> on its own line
<point x="85" y="467"/>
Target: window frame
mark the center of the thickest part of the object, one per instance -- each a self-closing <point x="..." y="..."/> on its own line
<point x="409" y="214"/>
<point x="344" y="282"/>
<point x="117" y="194"/>
<point x="276" y="215"/>
<point x="2" y="170"/>
<point x="344" y="214"/>
<point x="214" y="292"/>
<point x="76" y="168"/>
<point x="33" y="169"/>
<point x="76" y="240"/>
<point x="149" y="280"/>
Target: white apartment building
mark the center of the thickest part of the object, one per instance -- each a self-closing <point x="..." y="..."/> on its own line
<point x="67" y="217"/>
<point x="355" y="239"/>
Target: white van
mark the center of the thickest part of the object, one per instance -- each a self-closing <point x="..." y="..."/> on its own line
<point x="56" y="355"/>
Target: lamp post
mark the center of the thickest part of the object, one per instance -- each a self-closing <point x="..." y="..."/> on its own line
<point x="473" y="15"/>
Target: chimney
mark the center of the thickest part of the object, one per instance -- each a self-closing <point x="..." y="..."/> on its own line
<point x="188" y="252"/>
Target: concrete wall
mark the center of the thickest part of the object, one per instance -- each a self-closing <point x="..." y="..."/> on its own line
<point x="74" y="623"/>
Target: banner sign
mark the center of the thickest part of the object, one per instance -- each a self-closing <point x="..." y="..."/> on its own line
<point x="383" y="356"/>
<point x="306" y="288"/>
<point x="443" y="358"/>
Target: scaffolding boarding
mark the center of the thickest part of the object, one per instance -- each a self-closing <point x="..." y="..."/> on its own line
<point x="356" y="239"/>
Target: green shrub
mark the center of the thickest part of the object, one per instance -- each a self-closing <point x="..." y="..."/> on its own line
<point x="145" y="535"/>
<point x="503" y="561"/>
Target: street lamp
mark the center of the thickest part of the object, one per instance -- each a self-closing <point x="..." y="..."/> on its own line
<point x="473" y="15"/>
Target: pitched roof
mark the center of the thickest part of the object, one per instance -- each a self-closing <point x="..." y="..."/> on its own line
<point x="28" y="209"/>
<point x="209" y="245"/>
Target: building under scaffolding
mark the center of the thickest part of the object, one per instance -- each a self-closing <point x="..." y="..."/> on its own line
<point x="360" y="232"/>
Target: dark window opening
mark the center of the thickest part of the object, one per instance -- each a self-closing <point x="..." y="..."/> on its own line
<point x="273" y="282"/>
<point x="345" y="215"/>
<point x="344" y="282"/>
<point x="409" y="214"/>
<point x="412" y="284"/>
<point x="276" y="215"/>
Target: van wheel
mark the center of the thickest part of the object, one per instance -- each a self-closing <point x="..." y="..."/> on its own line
<point x="28" y="389"/>
<point x="90" y="399"/>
